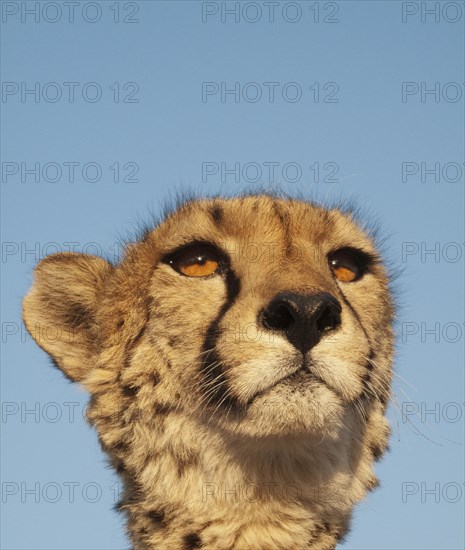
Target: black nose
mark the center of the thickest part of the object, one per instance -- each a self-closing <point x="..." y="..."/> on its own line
<point x="303" y="318"/>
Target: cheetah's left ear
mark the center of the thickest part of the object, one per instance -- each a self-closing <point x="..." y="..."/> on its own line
<point x="59" y="310"/>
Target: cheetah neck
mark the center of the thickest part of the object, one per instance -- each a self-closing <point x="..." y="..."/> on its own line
<point x="198" y="490"/>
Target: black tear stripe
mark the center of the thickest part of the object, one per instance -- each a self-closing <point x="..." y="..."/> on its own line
<point x="366" y="390"/>
<point x="211" y="366"/>
<point x="371" y="353"/>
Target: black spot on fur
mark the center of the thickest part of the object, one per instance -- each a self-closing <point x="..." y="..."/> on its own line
<point x="366" y="379"/>
<point x="162" y="409"/>
<point x="158" y="517"/>
<point x="154" y="378"/>
<point x="326" y="527"/>
<point x="185" y="462"/>
<point x="121" y="446"/>
<point x="317" y="531"/>
<point x="77" y="316"/>
<point x="173" y="341"/>
<point x="120" y="324"/>
<point x="129" y="391"/>
<point x="217" y="214"/>
<point x="192" y="541"/>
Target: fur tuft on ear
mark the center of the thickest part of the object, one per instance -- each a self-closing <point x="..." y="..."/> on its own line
<point x="59" y="310"/>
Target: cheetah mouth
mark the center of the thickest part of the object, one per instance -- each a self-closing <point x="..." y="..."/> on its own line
<point x="300" y="377"/>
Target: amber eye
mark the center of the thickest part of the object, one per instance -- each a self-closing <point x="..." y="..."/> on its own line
<point x="347" y="264"/>
<point x="344" y="274"/>
<point x="196" y="261"/>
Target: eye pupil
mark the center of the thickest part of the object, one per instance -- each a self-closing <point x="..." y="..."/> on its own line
<point x="346" y="265"/>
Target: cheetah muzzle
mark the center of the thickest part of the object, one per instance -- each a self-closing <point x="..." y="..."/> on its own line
<point x="238" y="359"/>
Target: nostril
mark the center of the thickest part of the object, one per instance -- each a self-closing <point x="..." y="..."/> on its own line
<point x="329" y="319"/>
<point x="277" y="318"/>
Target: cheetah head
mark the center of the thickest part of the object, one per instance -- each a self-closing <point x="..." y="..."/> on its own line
<point x="260" y="321"/>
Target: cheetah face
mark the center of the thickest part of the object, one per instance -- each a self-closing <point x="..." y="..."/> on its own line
<point x="258" y="315"/>
<point x="284" y="307"/>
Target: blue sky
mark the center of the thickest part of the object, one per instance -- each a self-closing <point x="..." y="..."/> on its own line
<point x="109" y="110"/>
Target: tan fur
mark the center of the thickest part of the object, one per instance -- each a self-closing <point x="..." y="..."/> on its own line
<point x="279" y="459"/>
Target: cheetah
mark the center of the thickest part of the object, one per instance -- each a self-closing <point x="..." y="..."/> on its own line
<point x="239" y="361"/>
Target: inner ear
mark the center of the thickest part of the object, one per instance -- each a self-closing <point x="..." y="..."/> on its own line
<point x="59" y="310"/>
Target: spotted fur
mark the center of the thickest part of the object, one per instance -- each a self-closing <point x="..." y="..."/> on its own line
<point x="222" y="439"/>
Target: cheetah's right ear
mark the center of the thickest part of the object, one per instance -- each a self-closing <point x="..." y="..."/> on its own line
<point x="59" y="310"/>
